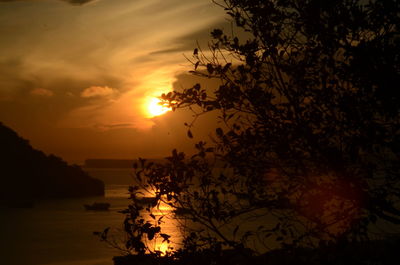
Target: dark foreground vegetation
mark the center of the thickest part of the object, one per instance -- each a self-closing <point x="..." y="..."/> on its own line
<point x="376" y="253"/>
<point x="28" y="174"/>
<point x="309" y="141"/>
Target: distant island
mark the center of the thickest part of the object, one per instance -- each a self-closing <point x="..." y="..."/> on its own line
<point x="27" y="173"/>
<point x="116" y="163"/>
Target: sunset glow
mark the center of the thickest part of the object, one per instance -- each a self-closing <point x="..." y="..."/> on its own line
<point x="132" y="52"/>
<point x="154" y="108"/>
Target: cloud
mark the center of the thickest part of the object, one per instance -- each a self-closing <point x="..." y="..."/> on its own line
<point x="180" y="48"/>
<point x="42" y="92"/>
<point x="100" y="111"/>
<point x="201" y="37"/>
<point x="97" y="91"/>
<point x="113" y="126"/>
<point x="72" y="2"/>
<point x="78" y="2"/>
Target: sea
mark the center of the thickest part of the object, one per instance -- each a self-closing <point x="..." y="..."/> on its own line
<point x="60" y="232"/>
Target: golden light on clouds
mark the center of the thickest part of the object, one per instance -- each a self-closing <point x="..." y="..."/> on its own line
<point x="154" y="84"/>
<point x="155" y="108"/>
<point x="42" y="92"/>
<point x="97" y="91"/>
<point x="100" y="67"/>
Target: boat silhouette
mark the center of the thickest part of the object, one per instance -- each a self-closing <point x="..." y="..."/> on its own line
<point x="97" y="206"/>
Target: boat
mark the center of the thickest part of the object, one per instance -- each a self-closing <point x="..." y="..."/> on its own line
<point x="97" y="206"/>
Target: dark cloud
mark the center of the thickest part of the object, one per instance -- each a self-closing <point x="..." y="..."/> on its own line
<point x="113" y="126"/>
<point x="169" y="50"/>
<point x="72" y="2"/>
<point x="78" y="2"/>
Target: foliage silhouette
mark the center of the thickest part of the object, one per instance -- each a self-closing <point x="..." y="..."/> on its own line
<point x="308" y="148"/>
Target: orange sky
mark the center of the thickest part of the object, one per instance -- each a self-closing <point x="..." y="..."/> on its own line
<point x="75" y="74"/>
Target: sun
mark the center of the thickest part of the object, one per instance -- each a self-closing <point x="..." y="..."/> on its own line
<point x="154" y="108"/>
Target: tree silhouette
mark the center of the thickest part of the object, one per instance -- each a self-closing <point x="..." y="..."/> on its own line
<point x="308" y="147"/>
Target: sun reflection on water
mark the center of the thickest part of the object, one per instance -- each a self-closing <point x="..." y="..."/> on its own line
<point x="170" y="226"/>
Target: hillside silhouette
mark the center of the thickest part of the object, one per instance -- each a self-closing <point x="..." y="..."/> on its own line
<point x="28" y="173"/>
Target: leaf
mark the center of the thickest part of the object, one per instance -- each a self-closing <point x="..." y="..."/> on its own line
<point x="235" y="230"/>
<point x="189" y="133"/>
<point x="226" y="67"/>
<point x="150" y="234"/>
<point x="165" y="237"/>
<point x="210" y="69"/>
<point x="105" y="233"/>
<point x="216" y="33"/>
<point x="219" y="131"/>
